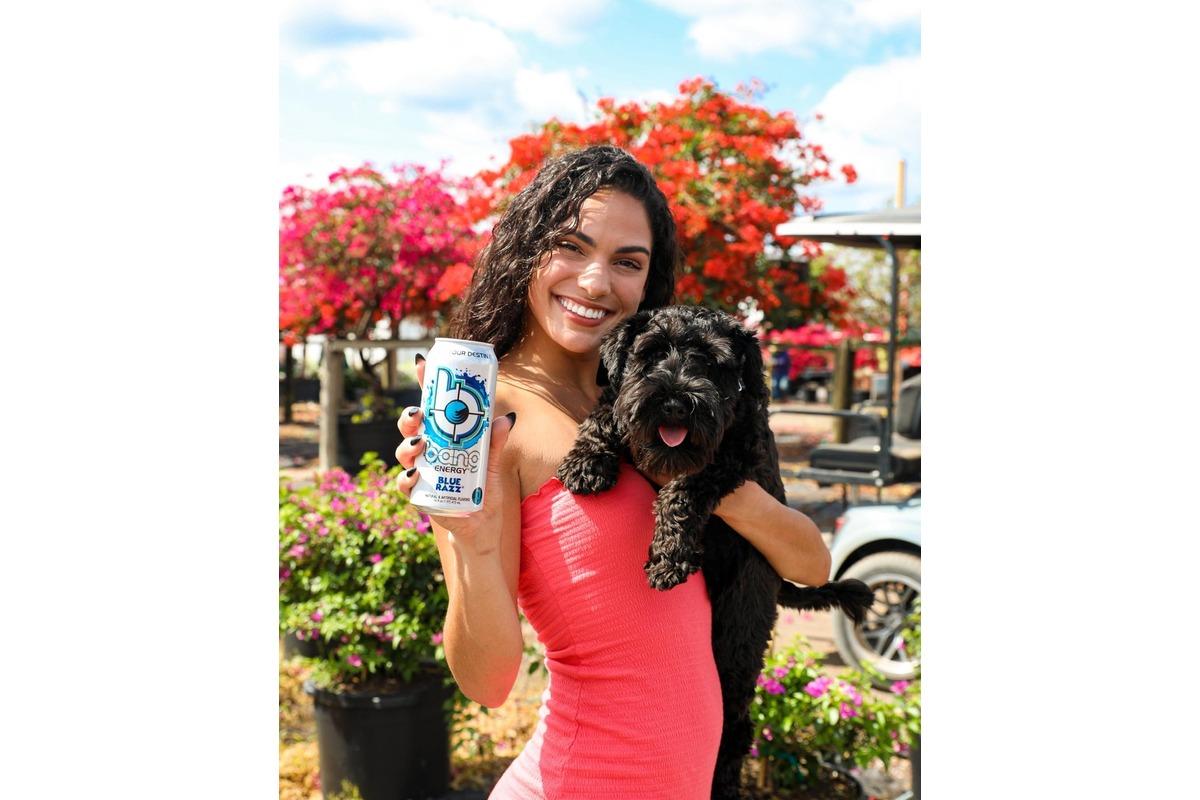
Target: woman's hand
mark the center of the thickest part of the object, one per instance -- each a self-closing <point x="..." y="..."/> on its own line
<point x="480" y="530"/>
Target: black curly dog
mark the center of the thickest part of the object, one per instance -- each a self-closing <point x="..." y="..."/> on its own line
<point x="685" y="395"/>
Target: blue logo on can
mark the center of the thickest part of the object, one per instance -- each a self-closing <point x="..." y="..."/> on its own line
<point x="477" y="496"/>
<point x="456" y="409"/>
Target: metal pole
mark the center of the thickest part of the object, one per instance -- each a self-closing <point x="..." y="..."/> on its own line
<point x="885" y="438"/>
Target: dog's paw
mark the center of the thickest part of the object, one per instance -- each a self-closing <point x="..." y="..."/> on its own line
<point x="666" y="573"/>
<point x="587" y="475"/>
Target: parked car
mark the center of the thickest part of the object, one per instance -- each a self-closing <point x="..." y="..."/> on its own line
<point x="881" y="546"/>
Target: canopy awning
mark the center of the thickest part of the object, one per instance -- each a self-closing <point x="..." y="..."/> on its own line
<point x="902" y="226"/>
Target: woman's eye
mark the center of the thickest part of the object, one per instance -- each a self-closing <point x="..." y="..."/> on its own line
<point x="569" y="246"/>
<point x="630" y="264"/>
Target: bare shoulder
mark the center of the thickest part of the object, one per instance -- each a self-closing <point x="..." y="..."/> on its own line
<point x="542" y="437"/>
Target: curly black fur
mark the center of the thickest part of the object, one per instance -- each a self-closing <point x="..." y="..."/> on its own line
<point x="685" y="366"/>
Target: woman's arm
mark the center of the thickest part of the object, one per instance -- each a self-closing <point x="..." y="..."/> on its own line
<point x="788" y="539"/>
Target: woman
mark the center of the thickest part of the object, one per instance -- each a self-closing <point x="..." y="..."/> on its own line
<point x="633" y="704"/>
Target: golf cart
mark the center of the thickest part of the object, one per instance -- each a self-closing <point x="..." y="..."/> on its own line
<point x="878" y="543"/>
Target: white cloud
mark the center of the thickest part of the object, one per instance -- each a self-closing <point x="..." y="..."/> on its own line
<point x="549" y="20"/>
<point x="315" y="171"/>
<point x="726" y="29"/>
<point x="872" y="119"/>
<point x="543" y="95"/>
<point x="441" y="57"/>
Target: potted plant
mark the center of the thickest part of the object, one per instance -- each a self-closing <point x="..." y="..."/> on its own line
<point x="359" y="576"/>
<point x="372" y="427"/>
<point x="814" y="729"/>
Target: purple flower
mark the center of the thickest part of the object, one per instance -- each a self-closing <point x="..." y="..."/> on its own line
<point x="423" y="525"/>
<point x="284" y="573"/>
<point x="317" y="615"/>
<point x="818" y="687"/>
<point x="899" y="686"/>
<point x="754" y="751"/>
<point x="780" y="672"/>
<point x="847" y="711"/>
<point x="376" y="558"/>
<point x="773" y="686"/>
<point x="354" y="660"/>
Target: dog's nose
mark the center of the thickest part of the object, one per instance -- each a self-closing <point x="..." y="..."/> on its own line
<point x="674" y="407"/>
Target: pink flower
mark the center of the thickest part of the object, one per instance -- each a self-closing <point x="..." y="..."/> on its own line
<point x="354" y="660"/>
<point x="437" y="638"/>
<point x="899" y="686"/>
<point x="298" y="551"/>
<point x="754" y="751"/>
<point x="770" y="737"/>
<point x="847" y="711"/>
<point x="818" y="687"/>
<point x="284" y="573"/>
<point x="780" y="672"/>
<point x="423" y="525"/>
<point x="317" y="615"/>
<point x="376" y="558"/>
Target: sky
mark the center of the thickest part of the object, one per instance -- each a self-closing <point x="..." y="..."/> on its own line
<point x="426" y="80"/>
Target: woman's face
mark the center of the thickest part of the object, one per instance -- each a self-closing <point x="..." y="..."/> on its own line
<point x="596" y="275"/>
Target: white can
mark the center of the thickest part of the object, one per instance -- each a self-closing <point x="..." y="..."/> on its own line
<point x="457" y="403"/>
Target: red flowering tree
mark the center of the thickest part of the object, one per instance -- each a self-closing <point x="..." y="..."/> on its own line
<point x="368" y="247"/>
<point x="731" y="170"/>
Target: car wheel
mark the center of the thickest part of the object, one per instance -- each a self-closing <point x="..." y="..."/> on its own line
<point x="895" y="578"/>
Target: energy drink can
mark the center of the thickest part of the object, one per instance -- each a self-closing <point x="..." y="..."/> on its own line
<point x="457" y="402"/>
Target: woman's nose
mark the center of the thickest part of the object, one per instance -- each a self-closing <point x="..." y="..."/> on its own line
<point x="594" y="280"/>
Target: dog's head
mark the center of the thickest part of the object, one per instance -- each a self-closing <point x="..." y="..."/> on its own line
<point x="683" y="376"/>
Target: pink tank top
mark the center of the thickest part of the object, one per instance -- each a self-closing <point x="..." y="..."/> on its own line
<point x="633" y="704"/>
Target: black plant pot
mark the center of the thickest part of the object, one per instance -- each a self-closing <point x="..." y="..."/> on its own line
<point x="304" y="390"/>
<point x="392" y="745"/>
<point x="356" y="439"/>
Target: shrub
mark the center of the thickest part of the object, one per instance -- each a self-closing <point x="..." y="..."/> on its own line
<point x="359" y="572"/>
<point x="804" y="716"/>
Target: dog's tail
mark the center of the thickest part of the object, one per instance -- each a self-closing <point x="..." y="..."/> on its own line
<point x="851" y="596"/>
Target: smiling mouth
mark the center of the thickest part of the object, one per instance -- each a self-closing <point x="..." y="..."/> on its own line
<point x="583" y="311"/>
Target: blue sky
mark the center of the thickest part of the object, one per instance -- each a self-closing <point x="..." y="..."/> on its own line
<point x="423" y="80"/>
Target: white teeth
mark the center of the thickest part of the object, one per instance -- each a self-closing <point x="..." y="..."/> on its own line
<point x="582" y="310"/>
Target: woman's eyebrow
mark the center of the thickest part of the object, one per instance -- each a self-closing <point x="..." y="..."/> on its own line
<point x="629" y="248"/>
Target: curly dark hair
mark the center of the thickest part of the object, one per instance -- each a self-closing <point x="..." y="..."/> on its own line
<point x="535" y="221"/>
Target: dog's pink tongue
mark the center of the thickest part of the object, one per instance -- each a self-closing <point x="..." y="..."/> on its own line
<point x="672" y="434"/>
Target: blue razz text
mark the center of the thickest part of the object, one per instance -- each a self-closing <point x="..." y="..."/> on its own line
<point x="452" y="485"/>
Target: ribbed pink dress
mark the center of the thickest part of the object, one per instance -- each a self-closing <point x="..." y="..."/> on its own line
<point x="633" y="704"/>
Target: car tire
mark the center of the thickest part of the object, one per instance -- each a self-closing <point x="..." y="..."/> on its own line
<point x="896" y="580"/>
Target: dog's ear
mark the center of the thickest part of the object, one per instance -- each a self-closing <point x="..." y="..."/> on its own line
<point x="754" y="381"/>
<point x="614" y="350"/>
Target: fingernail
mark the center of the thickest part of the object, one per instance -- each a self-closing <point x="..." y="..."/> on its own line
<point x="408" y="412"/>
<point x="409" y="473"/>
<point x="512" y="419"/>
<point x="413" y="441"/>
<point x="419" y="359"/>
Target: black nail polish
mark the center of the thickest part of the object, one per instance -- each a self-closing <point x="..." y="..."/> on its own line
<point x="419" y="359"/>
<point x="512" y="419"/>
<point x="410" y="472"/>
<point x="413" y="441"/>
